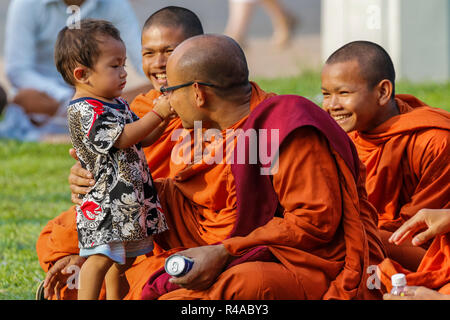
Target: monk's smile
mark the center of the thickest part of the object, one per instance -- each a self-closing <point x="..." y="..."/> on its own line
<point x="341" y="118"/>
<point x="158" y="43"/>
<point x="160" y="78"/>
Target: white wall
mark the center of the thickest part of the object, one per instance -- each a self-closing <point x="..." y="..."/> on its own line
<point x="416" y="33"/>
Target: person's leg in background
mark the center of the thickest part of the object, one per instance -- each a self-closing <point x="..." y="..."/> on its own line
<point x="282" y="21"/>
<point x="239" y="14"/>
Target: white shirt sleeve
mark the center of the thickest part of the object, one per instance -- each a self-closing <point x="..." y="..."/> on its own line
<point x="20" y="52"/>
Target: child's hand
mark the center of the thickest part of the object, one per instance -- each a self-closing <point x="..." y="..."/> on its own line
<point x="163" y="108"/>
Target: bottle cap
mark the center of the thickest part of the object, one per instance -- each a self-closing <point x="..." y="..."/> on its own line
<point x="398" y="279"/>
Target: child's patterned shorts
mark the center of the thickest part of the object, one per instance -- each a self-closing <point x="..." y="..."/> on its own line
<point x="118" y="251"/>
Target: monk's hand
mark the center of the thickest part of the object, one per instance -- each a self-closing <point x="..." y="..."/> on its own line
<point x="209" y="262"/>
<point x="57" y="275"/>
<point x="418" y="293"/>
<point x="80" y="180"/>
<point x="431" y="222"/>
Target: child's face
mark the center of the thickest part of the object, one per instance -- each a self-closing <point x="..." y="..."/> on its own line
<point x="108" y="77"/>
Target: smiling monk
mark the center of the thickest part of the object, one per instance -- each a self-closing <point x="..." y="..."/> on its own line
<point x="404" y="143"/>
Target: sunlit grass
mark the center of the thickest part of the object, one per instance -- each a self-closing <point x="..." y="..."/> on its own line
<point x="33" y="180"/>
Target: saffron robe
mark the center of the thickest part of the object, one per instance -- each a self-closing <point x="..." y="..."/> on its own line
<point x="408" y="168"/>
<point x="320" y="241"/>
<point x="433" y="271"/>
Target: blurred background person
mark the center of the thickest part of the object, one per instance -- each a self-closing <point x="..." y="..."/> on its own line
<point x="3" y="99"/>
<point x="240" y="12"/>
<point x="39" y="94"/>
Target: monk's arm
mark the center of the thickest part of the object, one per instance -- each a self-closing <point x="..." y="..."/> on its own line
<point x="307" y="184"/>
<point x="430" y="158"/>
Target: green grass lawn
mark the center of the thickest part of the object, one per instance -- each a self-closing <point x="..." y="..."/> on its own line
<point x="33" y="180"/>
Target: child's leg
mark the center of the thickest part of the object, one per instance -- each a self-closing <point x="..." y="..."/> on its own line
<point x="92" y="274"/>
<point x="116" y="282"/>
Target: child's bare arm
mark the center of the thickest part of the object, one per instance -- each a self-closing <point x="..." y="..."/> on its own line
<point x="139" y="130"/>
<point x="162" y="106"/>
<point x="155" y="134"/>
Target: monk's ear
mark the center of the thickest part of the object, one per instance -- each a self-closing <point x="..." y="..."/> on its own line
<point x="199" y="95"/>
<point x="384" y="88"/>
<point x="81" y="74"/>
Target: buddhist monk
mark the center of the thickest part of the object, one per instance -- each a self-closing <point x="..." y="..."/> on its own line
<point x="57" y="246"/>
<point x="403" y="143"/>
<point x="433" y="274"/>
<point x="304" y="231"/>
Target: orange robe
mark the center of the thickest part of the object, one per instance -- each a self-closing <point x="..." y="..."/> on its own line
<point x="158" y="153"/>
<point x="408" y="168"/>
<point x="433" y="271"/>
<point x="324" y="240"/>
<point x="314" y="205"/>
<point x="206" y="192"/>
<point x="408" y="162"/>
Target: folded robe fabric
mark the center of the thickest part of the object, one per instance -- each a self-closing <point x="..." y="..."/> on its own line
<point x="433" y="271"/>
<point x="408" y="168"/>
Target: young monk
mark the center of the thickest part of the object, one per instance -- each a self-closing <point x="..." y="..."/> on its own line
<point x="404" y="143"/>
<point x="57" y="247"/>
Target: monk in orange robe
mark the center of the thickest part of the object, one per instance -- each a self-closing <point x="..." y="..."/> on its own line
<point x="57" y="245"/>
<point x="404" y="143"/>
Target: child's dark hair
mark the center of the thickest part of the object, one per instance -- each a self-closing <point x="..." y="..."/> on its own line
<point x="80" y="46"/>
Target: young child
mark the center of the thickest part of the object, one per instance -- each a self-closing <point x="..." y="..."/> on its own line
<point x="117" y="218"/>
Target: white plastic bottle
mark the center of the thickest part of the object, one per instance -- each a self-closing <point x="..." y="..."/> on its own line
<point x="398" y="284"/>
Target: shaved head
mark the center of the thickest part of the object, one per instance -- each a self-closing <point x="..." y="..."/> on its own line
<point x="176" y="17"/>
<point x="216" y="59"/>
<point x="374" y="62"/>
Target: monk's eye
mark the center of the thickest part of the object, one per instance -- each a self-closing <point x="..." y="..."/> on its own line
<point x="325" y="95"/>
<point x="148" y="53"/>
<point x="344" y="92"/>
